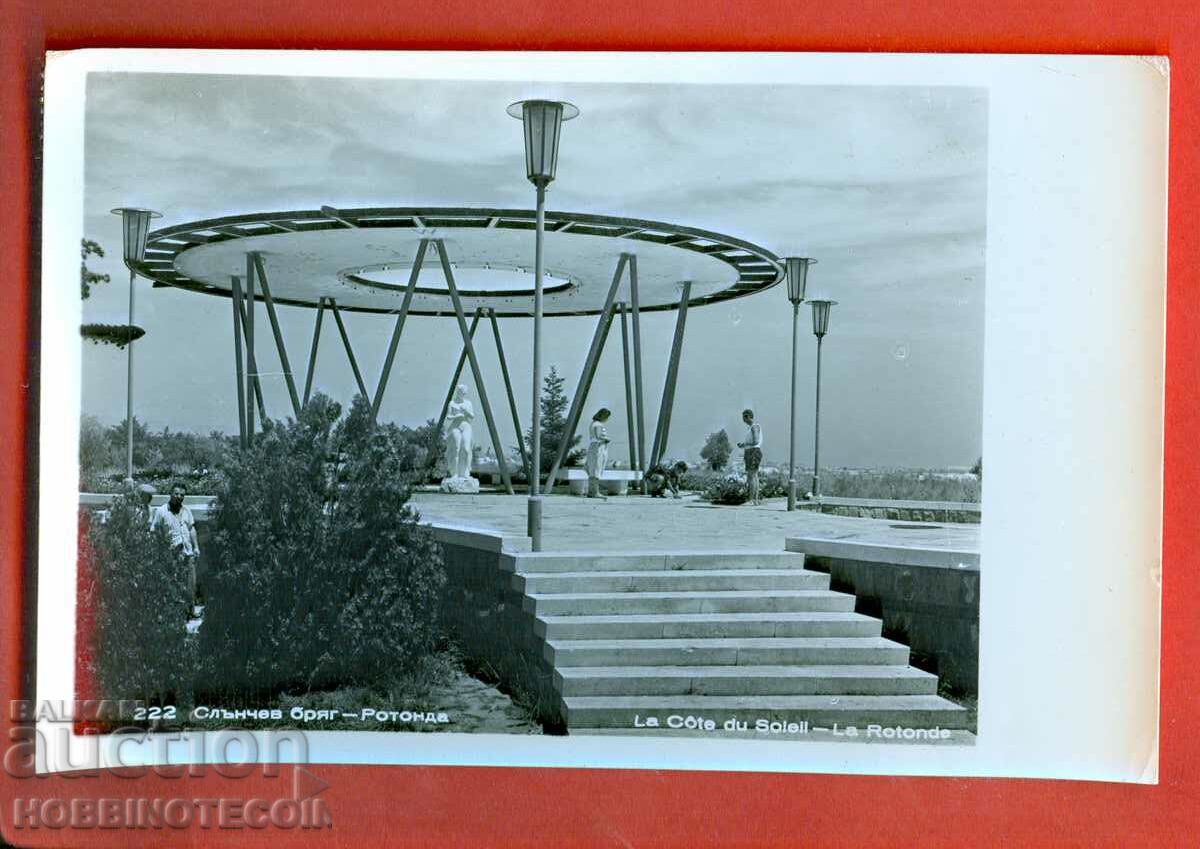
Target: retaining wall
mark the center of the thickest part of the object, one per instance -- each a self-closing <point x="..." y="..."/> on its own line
<point x="486" y="617"/>
<point x="927" y="598"/>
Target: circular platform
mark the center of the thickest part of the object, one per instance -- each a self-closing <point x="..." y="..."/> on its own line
<point x="362" y="258"/>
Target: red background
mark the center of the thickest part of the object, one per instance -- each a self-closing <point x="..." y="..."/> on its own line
<point x="453" y="806"/>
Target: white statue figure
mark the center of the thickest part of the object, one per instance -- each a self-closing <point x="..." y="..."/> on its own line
<point x="459" y="416"/>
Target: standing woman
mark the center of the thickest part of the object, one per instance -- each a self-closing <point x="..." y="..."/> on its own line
<point x="597" y="454"/>
<point x="753" y="454"/>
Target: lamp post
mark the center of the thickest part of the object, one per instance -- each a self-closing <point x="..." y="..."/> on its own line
<point x="820" y="317"/>
<point x="135" y="223"/>
<point x="797" y="278"/>
<point x="542" y="121"/>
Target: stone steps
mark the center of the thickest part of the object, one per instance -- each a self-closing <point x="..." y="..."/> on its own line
<point x="654" y="561"/>
<point x="838" y="680"/>
<point x="682" y="625"/>
<point x="727" y="652"/>
<point x="630" y="712"/>
<point x="727" y="601"/>
<point x="689" y="580"/>
<point x="731" y="637"/>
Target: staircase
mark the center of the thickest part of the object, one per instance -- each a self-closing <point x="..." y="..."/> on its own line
<point x="638" y="638"/>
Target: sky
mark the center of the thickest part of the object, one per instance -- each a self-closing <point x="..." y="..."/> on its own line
<point x="885" y="186"/>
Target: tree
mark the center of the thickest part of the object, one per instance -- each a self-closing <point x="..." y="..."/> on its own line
<point x="320" y="574"/>
<point x="977" y="469"/>
<point x="716" y="450"/>
<point x="88" y="279"/>
<point x="554" y="422"/>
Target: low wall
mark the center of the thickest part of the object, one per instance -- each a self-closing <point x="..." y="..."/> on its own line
<point x="486" y="617"/>
<point x="903" y="511"/>
<point x="927" y="598"/>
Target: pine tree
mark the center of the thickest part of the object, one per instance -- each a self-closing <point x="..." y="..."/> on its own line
<point x="554" y="421"/>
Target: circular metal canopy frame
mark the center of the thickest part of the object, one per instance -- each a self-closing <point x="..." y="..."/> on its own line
<point x="310" y="255"/>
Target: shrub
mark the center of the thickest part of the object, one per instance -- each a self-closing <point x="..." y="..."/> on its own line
<point x="697" y="479"/>
<point x="773" y="485"/>
<point x="322" y="576"/>
<point x="138" y="592"/>
<point x="727" y="489"/>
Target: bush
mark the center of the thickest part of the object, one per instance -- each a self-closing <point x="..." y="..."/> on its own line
<point x="774" y="485"/>
<point x="322" y="576"/>
<point x="727" y="489"/>
<point x="137" y="590"/>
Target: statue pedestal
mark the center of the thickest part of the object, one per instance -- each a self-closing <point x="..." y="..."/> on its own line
<point x="460" y="486"/>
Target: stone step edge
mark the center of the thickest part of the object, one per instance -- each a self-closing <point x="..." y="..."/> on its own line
<point x="679" y="573"/>
<point x="695" y="594"/>
<point x="761" y="670"/>
<point x="929" y="702"/>
<point x="678" y="618"/>
<point x="684" y="643"/>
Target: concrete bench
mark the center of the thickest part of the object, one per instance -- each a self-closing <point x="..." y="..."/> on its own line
<point x="612" y="481"/>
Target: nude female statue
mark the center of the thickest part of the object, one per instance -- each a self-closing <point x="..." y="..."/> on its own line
<point x="459" y="416"/>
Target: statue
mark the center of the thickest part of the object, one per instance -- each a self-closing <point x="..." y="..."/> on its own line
<point x="459" y="416"/>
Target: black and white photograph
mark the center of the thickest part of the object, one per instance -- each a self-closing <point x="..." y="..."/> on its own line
<point x="565" y="408"/>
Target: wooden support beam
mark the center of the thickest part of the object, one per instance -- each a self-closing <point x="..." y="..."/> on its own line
<point x="253" y="384"/>
<point x="358" y="378"/>
<point x="275" y="331"/>
<point x="630" y="413"/>
<point x="637" y="363"/>
<point x="312" y="351"/>
<point x="512" y="402"/>
<point x="236" y="300"/>
<point x="663" y="429"/>
<point x="480" y="387"/>
<point x="418" y="261"/>
<point x="462" y="361"/>
<point x="589" y="371"/>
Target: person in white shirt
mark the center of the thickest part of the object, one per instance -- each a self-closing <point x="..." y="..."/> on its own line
<point x="752" y="445"/>
<point x="181" y="528"/>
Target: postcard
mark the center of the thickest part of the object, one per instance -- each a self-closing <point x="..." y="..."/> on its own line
<point x="606" y="410"/>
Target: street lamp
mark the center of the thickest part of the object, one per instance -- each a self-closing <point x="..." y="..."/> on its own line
<point x="797" y="279"/>
<point x="135" y="223"/>
<point x="542" y="121"/>
<point x="820" y="317"/>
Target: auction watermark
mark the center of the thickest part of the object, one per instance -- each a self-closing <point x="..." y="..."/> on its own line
<point x="84" y="739"/>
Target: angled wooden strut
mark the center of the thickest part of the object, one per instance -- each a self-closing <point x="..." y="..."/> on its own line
<point x="630" y="412"/>
<point x="480" y="388"/>
<point x="235" y="298"/>
<point x="589" y="370"/>
<point x="337" y="317"/>
<point x="418" y="261"/>
<point x="275" y="331"/>
<point x="462" y="361"/>
<point x="253" y="384"/>
<point x="512" y="402"/>
<point x="663" y="429"/>
<point x="312" y="351"/>
<point x="637" y="365"/>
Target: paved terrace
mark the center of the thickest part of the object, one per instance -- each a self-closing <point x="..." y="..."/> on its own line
<point x="639" y="523"/>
